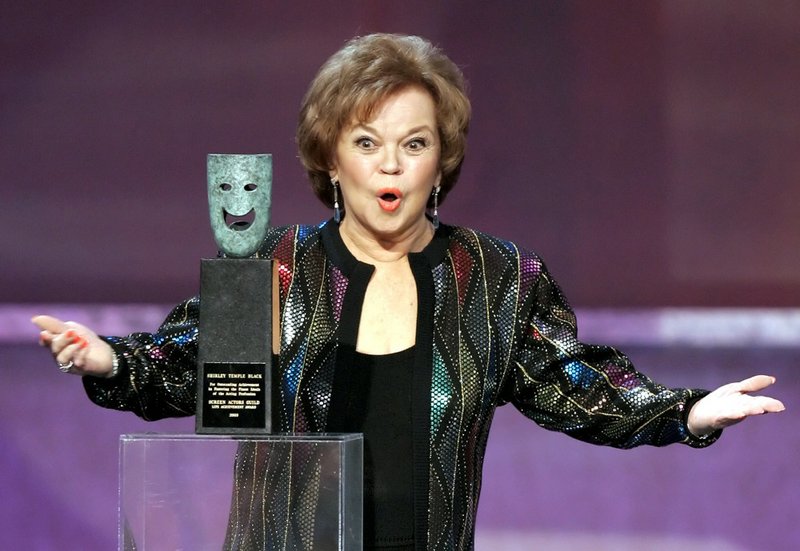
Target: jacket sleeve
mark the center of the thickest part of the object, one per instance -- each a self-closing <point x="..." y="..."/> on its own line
<point x="592" y="393"/>
<point x="158" y="373"/>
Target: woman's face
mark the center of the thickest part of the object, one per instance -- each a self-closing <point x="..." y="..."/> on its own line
<point x="387" y="167"/>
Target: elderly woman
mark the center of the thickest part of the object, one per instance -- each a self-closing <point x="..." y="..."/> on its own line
<point x="401" y="327"/>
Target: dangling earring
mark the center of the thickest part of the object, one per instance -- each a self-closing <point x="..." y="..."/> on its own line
<point x="435" y="217"/>
<point x="337" y="212"/>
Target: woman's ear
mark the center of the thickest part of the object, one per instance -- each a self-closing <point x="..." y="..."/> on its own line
<point x="333" y="171"/>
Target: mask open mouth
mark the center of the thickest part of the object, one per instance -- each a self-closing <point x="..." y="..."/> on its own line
<point x="239" y="223"/>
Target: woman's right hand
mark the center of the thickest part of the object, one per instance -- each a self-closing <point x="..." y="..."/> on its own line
<point x="72" y="342"/>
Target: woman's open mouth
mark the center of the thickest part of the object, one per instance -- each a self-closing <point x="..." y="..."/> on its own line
<point x="389" y="199"/>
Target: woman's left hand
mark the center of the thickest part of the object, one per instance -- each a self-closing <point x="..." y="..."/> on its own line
<point x="731" y="404"/>
<point x="76" y="348"/>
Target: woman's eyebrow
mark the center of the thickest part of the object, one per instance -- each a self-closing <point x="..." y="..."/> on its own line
<point x="372" y="130"/>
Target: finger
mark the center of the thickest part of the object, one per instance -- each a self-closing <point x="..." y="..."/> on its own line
<point x="67" y="354"/>
<point x="79" y="357"/>
<point x="754" y="384"/>
<point x="49" y="323"/>
<point x="759" y="405"/>
<point x="58" y="343"/>
<point x="62" y="340"/>
<point x="45" y="338"/>
<point x="74" y="329"/>
<point x="81" y="354"/>
<point x="770" y="405"/>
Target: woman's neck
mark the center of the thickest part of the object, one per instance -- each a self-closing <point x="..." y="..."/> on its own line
<point x="367" y="247"/>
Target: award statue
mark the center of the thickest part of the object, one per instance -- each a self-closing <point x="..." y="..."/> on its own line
<point x="234" y="382"/>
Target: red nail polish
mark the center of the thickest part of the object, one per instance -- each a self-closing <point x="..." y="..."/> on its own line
<point x="70" y="334"/>
<point x="84" y="343"/>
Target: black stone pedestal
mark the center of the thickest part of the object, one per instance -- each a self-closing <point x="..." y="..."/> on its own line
<point x="234" y="382"/>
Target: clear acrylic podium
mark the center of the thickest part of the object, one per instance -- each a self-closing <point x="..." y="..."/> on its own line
<point x="198" y="492"/>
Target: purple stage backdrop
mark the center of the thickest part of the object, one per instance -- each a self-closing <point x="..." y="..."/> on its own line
<point x="647" y="150"/>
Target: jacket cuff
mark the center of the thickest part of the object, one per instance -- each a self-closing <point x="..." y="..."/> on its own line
<point x="692" y="440"/>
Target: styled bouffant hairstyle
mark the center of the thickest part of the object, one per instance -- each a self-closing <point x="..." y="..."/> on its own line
<point x="357" y="78"/>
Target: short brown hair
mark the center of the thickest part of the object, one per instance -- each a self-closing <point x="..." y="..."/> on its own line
<point x="357" y="78"/>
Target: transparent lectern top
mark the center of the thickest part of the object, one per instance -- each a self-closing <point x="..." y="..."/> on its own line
<point x="185" y="491"/>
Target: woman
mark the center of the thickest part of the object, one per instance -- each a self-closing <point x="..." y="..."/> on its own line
<point x="403" y="328"/>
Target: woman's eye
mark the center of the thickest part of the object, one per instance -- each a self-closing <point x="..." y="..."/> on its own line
<point x="365" y="143"/>
<point x="417" y="144"/>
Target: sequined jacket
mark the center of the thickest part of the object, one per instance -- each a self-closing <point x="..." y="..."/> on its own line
<point x="493" y="327"/>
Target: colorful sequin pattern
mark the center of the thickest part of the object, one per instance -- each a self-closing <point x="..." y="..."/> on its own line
<point x="501" y="332"/>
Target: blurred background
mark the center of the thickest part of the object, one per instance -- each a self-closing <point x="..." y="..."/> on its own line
<point x="647" y="150"/>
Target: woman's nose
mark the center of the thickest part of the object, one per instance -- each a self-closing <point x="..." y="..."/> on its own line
<point x="390" y="163"/>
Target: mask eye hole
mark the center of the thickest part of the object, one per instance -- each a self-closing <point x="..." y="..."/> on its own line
<point x="250" y="187"/>
<point x="225" y="187"/>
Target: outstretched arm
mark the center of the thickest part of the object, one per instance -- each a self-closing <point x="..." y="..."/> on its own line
<point x="156" y="372"/>
<point x="595" y="394"/>
<point x="731" y="404"/>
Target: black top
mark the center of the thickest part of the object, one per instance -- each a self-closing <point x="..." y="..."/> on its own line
<point x="344" y="392"/>
<point x="382" y="411"/>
